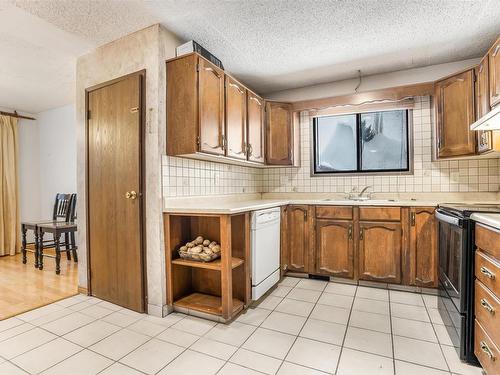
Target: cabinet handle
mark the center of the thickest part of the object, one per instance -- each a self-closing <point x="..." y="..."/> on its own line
<point x="497" y="48"/>
<point x="213" y="71"/>
<point x="249" y="149"/>
<point x="349" y="231"/>
<point x="360" y="233"/>
<point x="256" y="100"/>
<point x="412" y="219"/>
<point x="486" y="272"/>
<point x="236" y="87"/>
<point x="485" y="348"/>
<point x="487" y="306"/>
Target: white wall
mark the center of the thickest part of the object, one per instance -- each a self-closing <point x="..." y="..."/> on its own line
<point x="47" y="161"/>
<point x="373" y="82"/>
<point x="56" y="155"/>
<point x="29" y="197"/>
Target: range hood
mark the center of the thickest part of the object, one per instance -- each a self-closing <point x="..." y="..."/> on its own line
<point x="490" y="121"/>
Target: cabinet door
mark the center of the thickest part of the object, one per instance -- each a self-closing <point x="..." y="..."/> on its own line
<point x="211" y="108"/>
<point x="423" y="247"/>
<point x="334" y="248"/>
<point x="255" y="112"/>
<point x="494" y="70"/>
<point x="298" y="238"/>
<point x="380" y="251"/>
<point x="236" y="119"/>
<point x="482" y="92"/>
<point x="454" y="101"/>
<point x="279" y="135"/>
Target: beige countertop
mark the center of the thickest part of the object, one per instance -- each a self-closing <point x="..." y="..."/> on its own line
<point x="493" y="220"/>
<point x="217" y="207"/>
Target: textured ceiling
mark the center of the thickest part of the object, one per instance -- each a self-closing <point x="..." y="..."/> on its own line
<point x="275" y="45"/>
<point x="41" y="40"/>
<point x="270" y="45"/>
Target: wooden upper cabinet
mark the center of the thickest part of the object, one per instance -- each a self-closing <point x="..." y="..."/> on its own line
<point x="182" y="105"/>
<point x="236" y="119"/>
<point x="482" y="88"/>
<point x="454" y="103"/>
<point x="298" y="241"/>
<point x="255" y="134"/>
<point x="482" y="92"/>
<point x="335" y="248"/>
<point x="279" y="134"/>
<point x="380" y="245"/>
<point x="211" y="108"/>
<point x="494" y="71"/>
<point x="423" y="247"/>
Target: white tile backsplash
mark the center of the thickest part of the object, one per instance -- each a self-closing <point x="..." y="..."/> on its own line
<point x="428" y="176"/>
<point x="186" y="177"/>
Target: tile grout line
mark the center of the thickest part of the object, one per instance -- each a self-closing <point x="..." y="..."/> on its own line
<point x="297" y="336"/>
<point x="392" y="335"/>
<point x="439" y="344"/>
<point x="346" y="329"/>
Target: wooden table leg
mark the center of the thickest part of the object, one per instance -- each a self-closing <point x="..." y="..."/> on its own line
<point x="57" y="237"/>
<point x="73" y="246"/>
<point x="40" y="249"/>
<point x="23" y="246"/>
<point x="66" y="246"/>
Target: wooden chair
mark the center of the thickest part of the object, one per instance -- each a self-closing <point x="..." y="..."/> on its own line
<point x="63" y="205"/>
<point x="57" y="229"/>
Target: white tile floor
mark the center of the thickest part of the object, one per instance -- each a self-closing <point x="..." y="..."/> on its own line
<point x="304" y="327"/>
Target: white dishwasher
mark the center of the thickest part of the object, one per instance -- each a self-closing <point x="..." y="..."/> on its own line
<point x="265" y="246"/>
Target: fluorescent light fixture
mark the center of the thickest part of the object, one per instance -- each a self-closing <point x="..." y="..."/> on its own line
<point x="490" y="121"/>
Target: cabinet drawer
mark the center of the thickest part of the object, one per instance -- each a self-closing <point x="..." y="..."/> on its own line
<point x="488" y="240"/>
<point x="488" y="272"/>
<point x="334" y="212"/>
<point x="487" y="308"/>
<point x="380" y="213"/>
<point x="485" y="350"/>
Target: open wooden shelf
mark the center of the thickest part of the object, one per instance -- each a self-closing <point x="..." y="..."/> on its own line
<point x="206" y="303"/>
<point x="221" y="288"/>
<point x="214" y="265"/>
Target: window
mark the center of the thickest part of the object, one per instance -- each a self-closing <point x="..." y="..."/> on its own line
<point x="361" y="143"/>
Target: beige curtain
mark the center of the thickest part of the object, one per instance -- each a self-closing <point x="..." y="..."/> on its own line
<point x="9" y="206"/>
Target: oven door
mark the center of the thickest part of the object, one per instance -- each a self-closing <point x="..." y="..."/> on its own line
<point x="453" y="257"/>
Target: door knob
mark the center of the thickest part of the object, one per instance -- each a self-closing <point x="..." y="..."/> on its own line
<point x="131" y="195"/>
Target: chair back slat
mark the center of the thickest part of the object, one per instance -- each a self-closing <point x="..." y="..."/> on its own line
<point x="64" y="207"/>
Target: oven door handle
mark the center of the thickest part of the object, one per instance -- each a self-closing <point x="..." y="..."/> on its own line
<point x="448" y="219"/>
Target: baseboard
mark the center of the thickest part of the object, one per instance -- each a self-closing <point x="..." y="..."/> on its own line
<point x="83" y="290"/>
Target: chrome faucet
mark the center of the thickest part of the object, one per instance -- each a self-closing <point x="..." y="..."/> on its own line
<point x="360" y="196"/>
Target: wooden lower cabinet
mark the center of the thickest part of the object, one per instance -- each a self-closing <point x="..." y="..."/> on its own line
<point x="380" y="245"/>
<point x="298" y="248"/>
<point x="335" y="248"/>
<point x="423" y="247"/>
<point x="396" y="245"/>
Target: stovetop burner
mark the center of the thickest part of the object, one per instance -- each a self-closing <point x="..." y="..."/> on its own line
<point x="468" y="209"/>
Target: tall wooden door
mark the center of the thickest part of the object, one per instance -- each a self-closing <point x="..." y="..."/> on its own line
<point x="335" y="248"/>
<point x="211" y="108"/>
<point x="380" y="246"/>
<point x="236" y="119"/>
<point x="455" y="113"/>
<point x="114" y="193"/>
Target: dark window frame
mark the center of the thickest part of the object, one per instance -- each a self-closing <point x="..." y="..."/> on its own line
<point x="359" y="171"/>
